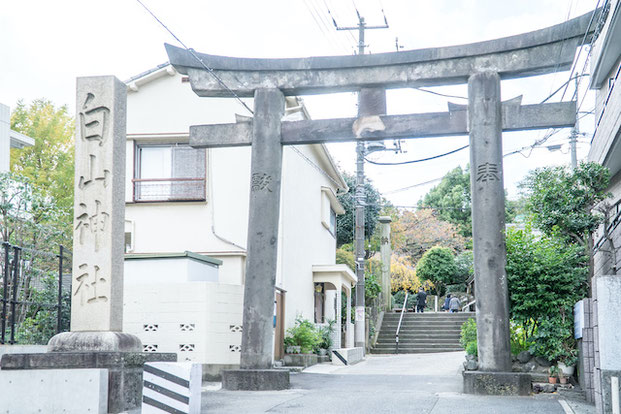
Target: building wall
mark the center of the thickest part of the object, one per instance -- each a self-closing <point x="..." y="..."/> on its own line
<point x="303" y="241"/>
<point x="605" y="149"/>
<point x="163" y="110"/>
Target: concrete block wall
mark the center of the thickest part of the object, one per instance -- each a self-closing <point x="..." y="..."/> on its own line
<point x="200" y="321"/>
<point x="586" y="347"/>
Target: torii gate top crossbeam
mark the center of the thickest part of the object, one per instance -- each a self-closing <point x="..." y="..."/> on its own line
<point x="534" y="53"/>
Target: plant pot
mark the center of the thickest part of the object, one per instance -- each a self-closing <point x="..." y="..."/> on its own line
<point x="323" y="351"/>
<point x="294" y="349"/>
<point x="563" y="380"/>
<point x="567" y="370"/>
<point x="552" y="380"/>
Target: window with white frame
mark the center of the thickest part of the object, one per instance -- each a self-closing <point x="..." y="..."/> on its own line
<point x="169" y="172"/>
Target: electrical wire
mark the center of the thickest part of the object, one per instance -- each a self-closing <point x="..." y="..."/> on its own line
<point x="573" y="66"/>
<point x="398" y="190"/>
<point x="440" y="94"/>
<point x="419" y="160"/>
<point x="191" y="51"/>
<point x="323" y="27"/>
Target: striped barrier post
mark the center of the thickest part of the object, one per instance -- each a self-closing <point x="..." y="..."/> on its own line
<point x="171" y="387"/>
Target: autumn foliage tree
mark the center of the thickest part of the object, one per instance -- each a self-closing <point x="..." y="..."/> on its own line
<point x="420" y="230"/>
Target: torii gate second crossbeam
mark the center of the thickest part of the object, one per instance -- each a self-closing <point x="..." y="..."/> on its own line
<point x="481" y="65"/>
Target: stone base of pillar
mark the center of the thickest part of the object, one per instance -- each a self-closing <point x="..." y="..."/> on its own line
<point x="94" y="341"/>
<point x="496" y="383"/>
<point x="255" y="380"/>
<point x="124" y="370"/>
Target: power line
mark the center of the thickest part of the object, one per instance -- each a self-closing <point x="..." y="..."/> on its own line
<point x="419" y="160"/>
<point x="398" y="190"/>
<point x="191" y="51"/>
<point x="573" y="66"/>
<point x="440" y="94"/>
<point x="323" y="27"/>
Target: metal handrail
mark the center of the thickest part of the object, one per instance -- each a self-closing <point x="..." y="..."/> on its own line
<point x="404" y="309"/>
<point x="463" y="309"/>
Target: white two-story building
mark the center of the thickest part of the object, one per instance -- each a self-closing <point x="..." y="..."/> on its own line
<point x="187" y="219"/>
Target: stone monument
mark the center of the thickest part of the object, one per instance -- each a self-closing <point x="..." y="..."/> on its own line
<point x="96" y="339"/>
<point x="99" y="217"/>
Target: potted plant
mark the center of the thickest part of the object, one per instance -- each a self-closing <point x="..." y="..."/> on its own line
<point x="562" y="378"/>
<point x="567" y="363"/>
<point x="553" y="373"/>
<point x="325" y="337"/>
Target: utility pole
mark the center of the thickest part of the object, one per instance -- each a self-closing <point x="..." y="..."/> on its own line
<point x="371" y="101"/>
<point x="573" y="138"/>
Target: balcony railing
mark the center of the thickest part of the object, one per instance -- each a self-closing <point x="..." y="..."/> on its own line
<point x="169" y="189"/>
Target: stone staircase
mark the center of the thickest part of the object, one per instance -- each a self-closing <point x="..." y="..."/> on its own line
<point x="421" y="332"/>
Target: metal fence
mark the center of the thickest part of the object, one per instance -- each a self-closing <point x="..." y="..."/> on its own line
<point x="35" y="293"/>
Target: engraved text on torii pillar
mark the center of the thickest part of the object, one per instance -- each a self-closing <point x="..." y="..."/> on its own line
<point x="91" y="221"/>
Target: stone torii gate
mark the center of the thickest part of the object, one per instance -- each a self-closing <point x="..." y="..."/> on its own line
<point x="481" y="65"/>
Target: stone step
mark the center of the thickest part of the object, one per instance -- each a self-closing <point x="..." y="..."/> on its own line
<point x="414" y="325"/>
<point x="414" y="351"/>
<point x="430" y="317"/>
<point x="433" y="328"/>
<point x="420" y="340"/>
<point x="417" y="346"/>
<point x="425" y="330"/>
<point x="420" y="334"/>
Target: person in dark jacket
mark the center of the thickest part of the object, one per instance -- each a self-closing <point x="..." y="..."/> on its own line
<point x="421" y="300"/>
<point x="445" y="307"/>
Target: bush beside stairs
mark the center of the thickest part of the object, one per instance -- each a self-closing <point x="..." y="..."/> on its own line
<point x="421" y="332"/>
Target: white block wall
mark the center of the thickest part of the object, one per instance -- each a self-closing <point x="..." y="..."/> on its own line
<point x="200" y="321"/>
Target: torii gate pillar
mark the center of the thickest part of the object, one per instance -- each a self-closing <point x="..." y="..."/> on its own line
<point x="256" y="371"/>
<point x="488" y="221"/>
<point x="488" y="235"/>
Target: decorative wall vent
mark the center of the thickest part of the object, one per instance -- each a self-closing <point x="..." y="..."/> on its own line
<point x="187" y="327"/>
<point x="149" y="348"/>
<point x="235" y="348"/>
<point x="186" y="347"/>
<point x="150" y="327"/>
<point x="235" y="328"/>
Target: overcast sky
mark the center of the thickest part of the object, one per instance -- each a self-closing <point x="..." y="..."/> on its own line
<point x="46" y="44"/>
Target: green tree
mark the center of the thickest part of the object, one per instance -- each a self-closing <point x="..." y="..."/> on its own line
<point x="438" y="266"/>
<point x="27" y="220"/>
<point x="465" y="266"/>
<point x="546" y="277"/>
<point x="345" y="223"/>
<point x="49" y="164"/>
<point x="561" y="199"/>
<point x="452" y="200"/>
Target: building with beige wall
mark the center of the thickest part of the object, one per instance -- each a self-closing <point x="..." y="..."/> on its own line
<point x="601" y="336"/>
<point x="182" y="199"/>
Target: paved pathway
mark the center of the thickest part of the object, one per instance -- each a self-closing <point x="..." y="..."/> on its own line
<point x="410" y="383"/>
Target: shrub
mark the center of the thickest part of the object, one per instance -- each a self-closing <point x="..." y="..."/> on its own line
<point x="303" y="334"/>
<point x="471" y="348"/>
<point x="325" y="334"/>
<point x="468" y="338"/>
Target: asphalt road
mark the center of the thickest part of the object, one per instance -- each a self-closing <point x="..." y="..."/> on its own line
<point x="423" y="383"/>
